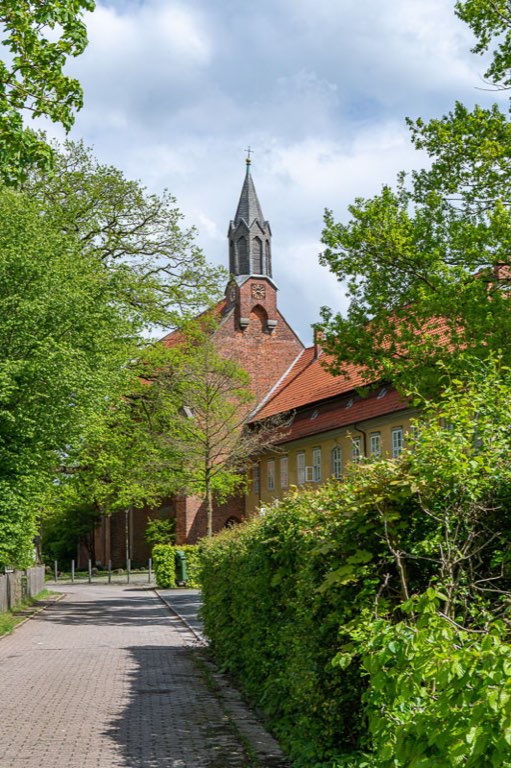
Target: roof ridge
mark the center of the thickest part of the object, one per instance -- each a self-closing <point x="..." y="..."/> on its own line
<point x="273" y="390"/>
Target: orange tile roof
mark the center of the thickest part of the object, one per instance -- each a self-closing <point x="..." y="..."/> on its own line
<point x="308" y="382"/>
<point x="345" y="411"/>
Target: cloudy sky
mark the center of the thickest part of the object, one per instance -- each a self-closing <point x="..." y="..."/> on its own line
<point x="176" y="90"/>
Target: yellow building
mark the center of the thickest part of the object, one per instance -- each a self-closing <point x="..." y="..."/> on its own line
<point x="333" y="420"/>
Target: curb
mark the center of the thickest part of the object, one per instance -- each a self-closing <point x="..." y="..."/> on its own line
<point x="198" y="635"/>
<point x="37" y="611"/>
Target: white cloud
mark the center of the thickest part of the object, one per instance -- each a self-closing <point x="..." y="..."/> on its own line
<point x="175" y="90"/>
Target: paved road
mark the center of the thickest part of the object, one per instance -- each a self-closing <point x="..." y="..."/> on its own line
<point x="186" y="602"/>
<point x="107" y="678"/>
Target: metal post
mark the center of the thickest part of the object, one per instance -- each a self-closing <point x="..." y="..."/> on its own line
<point x="149" y="577"/>
<point x="128" y="564"/>
<point x="90" y="571"/>
<point x="72" y="571"/>
<point x="56" y="571"/>
<point x="109" y="571"/>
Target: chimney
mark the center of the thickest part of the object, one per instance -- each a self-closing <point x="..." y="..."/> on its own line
<point x="318" y="338"/>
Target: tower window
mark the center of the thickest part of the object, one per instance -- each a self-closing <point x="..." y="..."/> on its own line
<point x="257" y="257"/>
<point x="243" y="256"/>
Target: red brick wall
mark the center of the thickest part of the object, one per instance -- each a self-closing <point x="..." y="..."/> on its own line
<point x="264" y="354"/>
<point x="191" y="522"/>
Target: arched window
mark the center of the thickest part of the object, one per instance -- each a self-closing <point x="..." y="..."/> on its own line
<point x="257" y="256"/>
<point x="336" y="462"/>
<point x="243" y="256"/>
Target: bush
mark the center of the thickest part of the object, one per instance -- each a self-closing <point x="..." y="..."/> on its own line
<point x="163" y="557"/>
<point x="165" y="566"/>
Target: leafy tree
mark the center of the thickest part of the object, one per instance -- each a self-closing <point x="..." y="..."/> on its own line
<point x="427" y="264"/>
<point x="208" y="400"/>
<point x="490" y="20"/>
<point x="64" y="342"/>
<point x="137" y="236"/>
<point x="160" y="531"/>
<point x="39" y="37"/>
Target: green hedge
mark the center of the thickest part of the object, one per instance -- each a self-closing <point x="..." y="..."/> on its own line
<point x="305" y="608"/>
<point x="274" y="626"/>
<point x="164" y="565"/>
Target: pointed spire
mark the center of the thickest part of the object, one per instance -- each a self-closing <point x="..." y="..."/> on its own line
<point x="249" y="208"/>
<point x="249" y="233"/>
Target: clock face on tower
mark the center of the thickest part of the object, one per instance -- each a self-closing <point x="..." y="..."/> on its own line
<point x="232" y="294"/>
<point x="258" y="291"/>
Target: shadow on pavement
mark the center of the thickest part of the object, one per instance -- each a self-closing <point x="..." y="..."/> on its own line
<point x="171" y="718"/>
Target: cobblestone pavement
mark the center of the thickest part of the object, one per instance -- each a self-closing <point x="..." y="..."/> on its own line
<point x="108" y="677"/>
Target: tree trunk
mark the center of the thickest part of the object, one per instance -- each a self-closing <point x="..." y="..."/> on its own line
<point x="209" y="509"/>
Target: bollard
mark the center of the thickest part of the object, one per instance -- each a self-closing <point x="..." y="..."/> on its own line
<point x="149" y="576"/>
<point x="90" y="571"/>
<point x="56" y="570"/>
<point x="109" y="571"/>
<point x="72" y="571"/>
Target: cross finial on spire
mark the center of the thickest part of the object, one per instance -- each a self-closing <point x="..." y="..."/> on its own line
<point x="249" y="152"/>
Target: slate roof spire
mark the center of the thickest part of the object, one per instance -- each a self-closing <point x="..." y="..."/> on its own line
<point x="249" y="233"/>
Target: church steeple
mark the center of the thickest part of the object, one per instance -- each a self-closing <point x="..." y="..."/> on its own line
<point x="249" y="234"/>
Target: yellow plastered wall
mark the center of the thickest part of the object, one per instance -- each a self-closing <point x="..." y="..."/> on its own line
<point x="345" y="438"/>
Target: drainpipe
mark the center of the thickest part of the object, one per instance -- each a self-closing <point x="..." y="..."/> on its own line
<point x="364" y="438"/>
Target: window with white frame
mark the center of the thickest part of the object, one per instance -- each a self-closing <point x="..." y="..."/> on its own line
<point x="336" y="462"/>
<point x="375" y="443"/>
<point x="284" y="472"/>
<point x="316" y="465"/>
<point x="300" y="467"/>
<point x="356" y="448"/>
<point x="256" y="478"/>
<point x="397" y="442"/>
<point x="270" y="474"/>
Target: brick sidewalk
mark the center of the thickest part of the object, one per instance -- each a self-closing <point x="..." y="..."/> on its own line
<point x="106" y="679"/>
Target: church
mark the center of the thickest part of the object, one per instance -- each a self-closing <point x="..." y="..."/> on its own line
<point x="333" y="420"/>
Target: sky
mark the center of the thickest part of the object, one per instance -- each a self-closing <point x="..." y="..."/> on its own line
<point x="319" y="89"/>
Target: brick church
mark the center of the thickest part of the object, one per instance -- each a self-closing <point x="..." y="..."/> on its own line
<point x="335" y="420"/>
<point x="255" y="333"/>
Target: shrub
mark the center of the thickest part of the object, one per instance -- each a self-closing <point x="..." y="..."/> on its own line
<point x="163" y="557"/>
<point x="165" y="567"/>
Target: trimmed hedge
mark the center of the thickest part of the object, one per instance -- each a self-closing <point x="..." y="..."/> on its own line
<point x="370" y="618"/>
<point x="163" y="556"/>
<point x="274" y="626"/>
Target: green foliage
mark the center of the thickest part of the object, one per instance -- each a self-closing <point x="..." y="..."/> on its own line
<point x="193" y="564"/>
<point x="314" y="607"/>
<point x="202" y="399"/>
<point x="39" y="38"/>
<point x="163" y="556"/>
<point x="490" y="20"/>
<point x="436" y="696"/>
<point x="165" y="566"/>
<point x="160" y="531"/>
<point x="64" y="340"/>
<point x="159" y="272"/>
<point x="427" y="263"/>
<point x="72" y="524"/>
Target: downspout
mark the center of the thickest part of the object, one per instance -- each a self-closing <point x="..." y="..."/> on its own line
<point x="364" y="434"/>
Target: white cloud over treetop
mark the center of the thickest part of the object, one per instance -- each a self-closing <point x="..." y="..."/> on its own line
<point x="174" y="92"/>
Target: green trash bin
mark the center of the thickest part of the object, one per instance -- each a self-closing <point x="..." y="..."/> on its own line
<point x="180" y="560"/>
